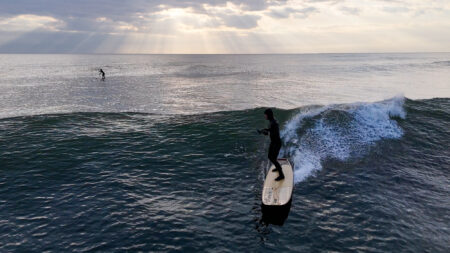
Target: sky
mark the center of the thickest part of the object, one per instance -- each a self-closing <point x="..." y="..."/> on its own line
<point x="217" y="26"/>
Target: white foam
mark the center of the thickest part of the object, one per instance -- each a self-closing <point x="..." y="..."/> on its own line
<point x="340" y="132"/>
<point x="290" y="129"/>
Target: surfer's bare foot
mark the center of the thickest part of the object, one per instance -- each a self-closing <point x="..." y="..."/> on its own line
<point x="280" y="177"/>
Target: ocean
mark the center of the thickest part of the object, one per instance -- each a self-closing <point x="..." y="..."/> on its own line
<point x="163" y="155"/>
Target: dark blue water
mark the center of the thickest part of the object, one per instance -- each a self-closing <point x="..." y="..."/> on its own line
<point x="370" y="177"/>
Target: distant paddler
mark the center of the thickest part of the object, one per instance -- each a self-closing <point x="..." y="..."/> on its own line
<point x="102" y="73"/>
<point x="275" y="142"/>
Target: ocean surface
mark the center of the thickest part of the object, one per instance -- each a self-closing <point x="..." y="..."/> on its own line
<point x="163" y="155"/>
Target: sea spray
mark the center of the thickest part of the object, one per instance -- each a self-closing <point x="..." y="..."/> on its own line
<point x="339" y="132"/>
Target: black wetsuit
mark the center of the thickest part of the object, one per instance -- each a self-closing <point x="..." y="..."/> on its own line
<point x="275" y="144"/>
<point x="102" y="73"/>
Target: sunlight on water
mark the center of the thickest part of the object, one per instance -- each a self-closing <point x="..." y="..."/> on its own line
<point x="187" y="84"/>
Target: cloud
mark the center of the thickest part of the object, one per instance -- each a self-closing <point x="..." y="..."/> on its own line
<point x="396" y="9"/>
<point x="29" y="22"/>
<point x="114" y="9"/>
<point x="325" y="1"/>
<point x="214" y="25"/>
<point x="114" y="15"/>
<point x="286" y="12"/>
<point x="241" y="21"/>
<point x="350" y="10"/>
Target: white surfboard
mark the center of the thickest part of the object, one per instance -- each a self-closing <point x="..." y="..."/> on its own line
<point x="278" y="193"/>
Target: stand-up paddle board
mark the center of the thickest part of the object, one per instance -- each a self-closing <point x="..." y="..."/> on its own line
<point x="278" y="193"/>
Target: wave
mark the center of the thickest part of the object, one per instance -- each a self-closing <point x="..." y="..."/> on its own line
<point x="342" y="132"/>
<point x="204" y="71"/>
<point x="443" y="63"/>
<point x="312" y="135"/>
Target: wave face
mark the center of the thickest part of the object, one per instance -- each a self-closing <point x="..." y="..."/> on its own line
<point x="339" y="132"/>
<point x="371" y="177"/>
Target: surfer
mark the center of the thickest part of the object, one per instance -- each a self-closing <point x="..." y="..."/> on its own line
<point x="101" y="72"/>
<point x="275" y="142"/>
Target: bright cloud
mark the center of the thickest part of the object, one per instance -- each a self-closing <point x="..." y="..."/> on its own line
<point x="29" y="22"/>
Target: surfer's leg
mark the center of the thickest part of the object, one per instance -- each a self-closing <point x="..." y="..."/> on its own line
<point x="277" y="166"/>
<point x="273" y="158"/>
<point x="274" y="150"/>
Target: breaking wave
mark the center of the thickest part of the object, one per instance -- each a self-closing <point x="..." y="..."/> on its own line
<point x="342" y="132"/>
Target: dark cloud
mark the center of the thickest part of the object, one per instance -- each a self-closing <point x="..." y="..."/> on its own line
<point x="350" y="10"/>
<point x="325" y="1"/>
<point x="241" y="21"/>
<point x="82" y="15"/>
<point x="114" y="9"/>
<point x="281" y="13"/>
<point x="286" y="12"/>
<point x="85" y="25"/>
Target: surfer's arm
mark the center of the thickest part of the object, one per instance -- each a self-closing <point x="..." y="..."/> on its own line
<point x="264" y="131"/>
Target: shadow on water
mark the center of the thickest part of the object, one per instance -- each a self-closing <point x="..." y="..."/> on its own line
<point x="270" y="215"/>
<point x="275" y="215"/>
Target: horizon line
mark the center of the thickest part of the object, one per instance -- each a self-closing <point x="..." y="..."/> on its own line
<point x="311" y="53"/>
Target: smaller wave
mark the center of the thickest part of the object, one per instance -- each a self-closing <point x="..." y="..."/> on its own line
<point x="443" y="63"/>
<point x="339" y="132"/>
<point x="205" y="71"/>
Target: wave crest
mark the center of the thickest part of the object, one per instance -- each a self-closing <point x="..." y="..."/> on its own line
<point x="339" y="132"/>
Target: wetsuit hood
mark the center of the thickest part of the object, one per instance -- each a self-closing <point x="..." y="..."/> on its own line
<point x="269" y="114"/>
